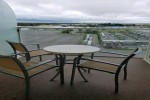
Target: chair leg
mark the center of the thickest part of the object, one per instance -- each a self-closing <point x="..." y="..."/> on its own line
<point x="27" y="89"/>
<point x="72" y="76"/>
<point x="55" y="75"/>
<point x="116" y="84"/>
<point x="56" y="56"/>
<point x="84" y="69"/>
<point x="40" y="58"/>
<point x="82" y="75"/>
<point x="88" y="70"/>
<point x="125" y="72"/>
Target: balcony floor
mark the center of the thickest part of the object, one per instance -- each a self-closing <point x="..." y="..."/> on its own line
<point x="99" y="87"/>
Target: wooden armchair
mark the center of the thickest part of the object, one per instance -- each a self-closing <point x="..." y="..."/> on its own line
<point x="12" y="66"/>
<point x="103" y="66"/>
<point x="20" y="49"/>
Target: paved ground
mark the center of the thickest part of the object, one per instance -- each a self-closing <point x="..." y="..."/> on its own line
<point x="49" y="37"/>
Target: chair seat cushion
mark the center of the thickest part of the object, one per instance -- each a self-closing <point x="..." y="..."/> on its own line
<point x="27" y="65"/>
<point x="11" y="71"/>
<point x="38" y="52"/>
<point x="99" y="66"/>
<point x="37" y="69"/>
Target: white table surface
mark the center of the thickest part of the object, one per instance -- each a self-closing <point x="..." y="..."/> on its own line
<point x="71" y="49"/>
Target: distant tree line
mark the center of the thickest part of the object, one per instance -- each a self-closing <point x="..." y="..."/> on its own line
<point x="116" y="24"/>
<point x="32" y="24"/>
<point x="85" y="24"/>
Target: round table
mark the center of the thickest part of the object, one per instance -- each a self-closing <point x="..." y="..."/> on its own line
<point x="63" y="50"/>
<point x="71" y="49"/>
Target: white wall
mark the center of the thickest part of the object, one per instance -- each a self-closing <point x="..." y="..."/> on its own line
<point x="8" y="27"/>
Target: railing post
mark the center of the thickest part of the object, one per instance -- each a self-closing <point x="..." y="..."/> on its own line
<point x="19" y="34"/>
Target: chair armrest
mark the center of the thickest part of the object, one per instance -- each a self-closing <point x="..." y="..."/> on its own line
<point x="37" y="44"/>
<point x="15" y="54"/>
<point x="34" y="50"/>
<point x="39" y="64"/>
<point x="94" y="60"/>
<point x="113" y="53"/>
<point x="31" y="44"/>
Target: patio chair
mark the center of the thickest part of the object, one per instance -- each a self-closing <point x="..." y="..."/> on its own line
<point x="12" y="66"/>
<point x="21" y="49"/>
<point x="103" y="66"/>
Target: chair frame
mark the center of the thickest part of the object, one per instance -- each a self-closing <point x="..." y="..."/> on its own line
<point x="27" y="52"/>
<point x="123" y="65"/>
<point x="25" y="72"/>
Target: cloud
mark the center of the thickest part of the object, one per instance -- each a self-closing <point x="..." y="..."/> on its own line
<point x="84" y="10"/>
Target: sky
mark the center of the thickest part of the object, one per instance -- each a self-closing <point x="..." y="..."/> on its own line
<point x="103" y="11"/>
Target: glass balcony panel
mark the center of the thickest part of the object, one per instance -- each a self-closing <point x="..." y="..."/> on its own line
<point x="46" y="37"/>
<point x="118" y="40"/>
<point x="8" y="28"/>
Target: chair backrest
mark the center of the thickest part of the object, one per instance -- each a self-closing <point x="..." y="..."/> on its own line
<point x="125" y="61"/>
<point x="19" y="47"/>
<point x="9" y="64"/>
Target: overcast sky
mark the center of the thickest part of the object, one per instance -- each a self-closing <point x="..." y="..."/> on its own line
<point x="122" y="11"/>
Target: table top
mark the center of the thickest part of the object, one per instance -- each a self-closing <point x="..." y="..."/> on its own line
<point x="71" y="49"/>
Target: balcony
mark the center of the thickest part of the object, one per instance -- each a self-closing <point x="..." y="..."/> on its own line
<point x="100" y="85"/>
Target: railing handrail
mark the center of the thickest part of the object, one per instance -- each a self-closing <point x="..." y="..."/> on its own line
<point x="45" y="27"/>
